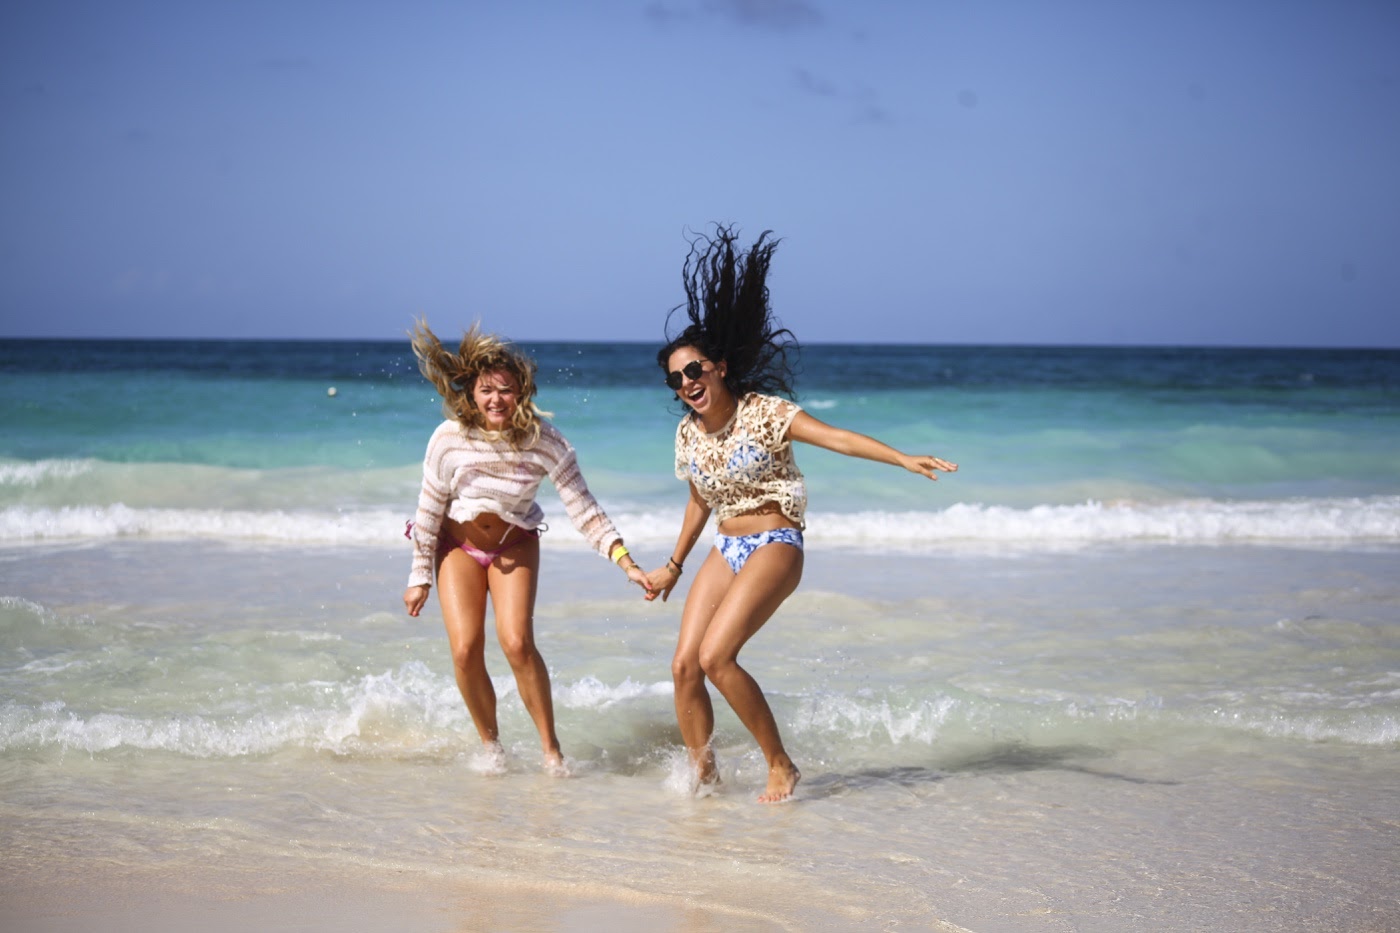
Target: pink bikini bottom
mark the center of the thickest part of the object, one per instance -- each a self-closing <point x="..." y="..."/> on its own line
<point x="484" y="558"/>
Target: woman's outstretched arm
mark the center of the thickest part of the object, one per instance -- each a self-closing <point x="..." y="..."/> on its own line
<point x="818" y="433"/>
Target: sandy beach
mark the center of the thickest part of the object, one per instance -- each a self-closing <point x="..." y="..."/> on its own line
<point x="290" y="898"/>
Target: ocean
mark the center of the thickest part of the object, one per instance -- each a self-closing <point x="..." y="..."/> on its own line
<point x="1136" y="665"/>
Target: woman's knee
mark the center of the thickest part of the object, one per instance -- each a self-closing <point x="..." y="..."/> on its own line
<point x="519" y="648"/>
<point x="469" y="654"/>
<point x="716" y="665"/>
<point x="686" y="671"/>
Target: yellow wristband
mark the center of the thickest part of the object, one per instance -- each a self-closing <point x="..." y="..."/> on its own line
<point x="618" y="553"/>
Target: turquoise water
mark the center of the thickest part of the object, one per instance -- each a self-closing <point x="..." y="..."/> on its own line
<point x="1272" y="444"/>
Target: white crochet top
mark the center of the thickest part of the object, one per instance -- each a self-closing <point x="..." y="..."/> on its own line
<point x="746" y="463"/>
<point x="467" y="473"/>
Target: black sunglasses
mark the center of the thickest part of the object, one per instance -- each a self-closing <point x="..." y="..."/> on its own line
<point x="692" y="371"/>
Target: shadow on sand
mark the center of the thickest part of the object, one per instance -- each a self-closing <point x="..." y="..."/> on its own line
<point x="1005" y="758"/>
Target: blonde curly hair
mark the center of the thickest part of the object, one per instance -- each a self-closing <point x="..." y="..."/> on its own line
<point x="454" y="376"/>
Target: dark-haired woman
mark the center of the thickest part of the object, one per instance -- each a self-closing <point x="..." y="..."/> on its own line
<point x="730" y="367"/>
<point x="478" y="524"/>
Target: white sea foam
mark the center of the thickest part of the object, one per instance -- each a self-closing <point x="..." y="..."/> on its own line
<point x="19" y="604"/>
<point x="120" y="521"/>
<point x="864" y="718"/>
<point x="931" y="720"/>
<point x="33" y="474"/>
<point x="1372" y="728"/>
<point x="1374" y="519"/>
<point x="1187" y="522"/>
<point x="52" y="724"/>
<point x="415" y="712"/>
<point x="406" y="712"/>
<point x="592" y="693"/>
<point x="410" y="711"/>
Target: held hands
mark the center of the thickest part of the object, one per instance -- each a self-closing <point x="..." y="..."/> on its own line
<point x="639" y="577"/>
<point x="663" y="580"/>
<point x="925" y="465"/>
<point x="618" y="554"/>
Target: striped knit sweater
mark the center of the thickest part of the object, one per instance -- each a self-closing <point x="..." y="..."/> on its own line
<point x="466" y="474"/>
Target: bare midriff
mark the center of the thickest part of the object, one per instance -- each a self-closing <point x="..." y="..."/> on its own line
<point x="487" y="532"/>
<point x="764" y="518"/>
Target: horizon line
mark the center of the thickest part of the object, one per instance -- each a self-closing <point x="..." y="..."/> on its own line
<point x="1066" y="345"/>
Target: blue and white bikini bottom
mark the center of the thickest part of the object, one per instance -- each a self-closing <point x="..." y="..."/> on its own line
<point x="736" y="550"/>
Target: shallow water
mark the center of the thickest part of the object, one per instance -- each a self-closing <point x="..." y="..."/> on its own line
<point x="1161" y="737"/>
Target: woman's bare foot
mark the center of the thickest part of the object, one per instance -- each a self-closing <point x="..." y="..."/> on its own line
<point x="782" y="781"/>
<point x="489" y="759"/>
<point x="704" y="772"/>
<point x="555" y="765"/>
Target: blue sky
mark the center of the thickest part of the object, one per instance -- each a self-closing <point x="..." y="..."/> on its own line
<point x="1178" y="172"/>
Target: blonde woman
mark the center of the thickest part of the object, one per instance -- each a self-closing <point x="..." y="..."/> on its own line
<point x="477" y="526"/>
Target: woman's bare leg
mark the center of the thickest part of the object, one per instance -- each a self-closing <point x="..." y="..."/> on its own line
<point x="695" y="714"/>
<point x="769" y="577"/>
<point x="462" y="593"/>
<point x="513" y="579"/>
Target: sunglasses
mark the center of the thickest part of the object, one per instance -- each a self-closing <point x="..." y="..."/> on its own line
<point x="692" y="371"/>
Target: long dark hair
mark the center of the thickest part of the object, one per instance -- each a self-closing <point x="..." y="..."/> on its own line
<point x="726" y="292"/>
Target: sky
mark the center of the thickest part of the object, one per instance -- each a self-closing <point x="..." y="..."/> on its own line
<point x="1191" y="172"/>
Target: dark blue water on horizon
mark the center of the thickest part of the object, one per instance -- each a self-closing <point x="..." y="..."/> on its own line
<point x="820" y="365"/>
